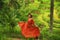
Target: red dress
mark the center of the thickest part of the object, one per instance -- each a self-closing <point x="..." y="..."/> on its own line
<point x="28" y="29"/>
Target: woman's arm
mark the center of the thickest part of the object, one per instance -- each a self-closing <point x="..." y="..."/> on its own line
<point x="33" y="23"/>
<point x="36" y="25"/>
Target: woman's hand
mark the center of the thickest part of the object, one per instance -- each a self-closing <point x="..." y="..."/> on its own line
<point x="36" y="25"/>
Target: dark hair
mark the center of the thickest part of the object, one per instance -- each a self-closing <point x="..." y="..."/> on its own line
<point x="30" y="15"/>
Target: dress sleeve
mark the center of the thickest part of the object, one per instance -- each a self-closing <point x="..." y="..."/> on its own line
<point x="30" y="21"/>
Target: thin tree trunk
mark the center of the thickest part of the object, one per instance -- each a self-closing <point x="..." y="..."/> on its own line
<point x="51" y="15"/>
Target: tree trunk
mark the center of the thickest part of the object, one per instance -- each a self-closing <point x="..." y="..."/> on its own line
<point x="51" y="15"/>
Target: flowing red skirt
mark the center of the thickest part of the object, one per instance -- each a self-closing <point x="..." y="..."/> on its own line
<point x="29" y="32"/>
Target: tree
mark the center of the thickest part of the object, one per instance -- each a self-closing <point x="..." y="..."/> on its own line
<point x="51" y="15"/>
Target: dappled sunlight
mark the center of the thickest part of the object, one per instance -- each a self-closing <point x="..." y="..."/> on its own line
<point x="44" y="18"/>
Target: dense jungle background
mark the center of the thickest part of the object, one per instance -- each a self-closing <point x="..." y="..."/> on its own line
<point x="14" y="11"/>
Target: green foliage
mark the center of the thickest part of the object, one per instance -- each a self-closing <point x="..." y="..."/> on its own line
<point x="13" y="11"/>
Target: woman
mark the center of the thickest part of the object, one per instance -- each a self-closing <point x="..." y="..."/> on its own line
<point x="29" y="29"/>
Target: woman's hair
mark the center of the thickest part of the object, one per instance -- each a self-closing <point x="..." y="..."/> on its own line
<point x="30" y="15"/>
